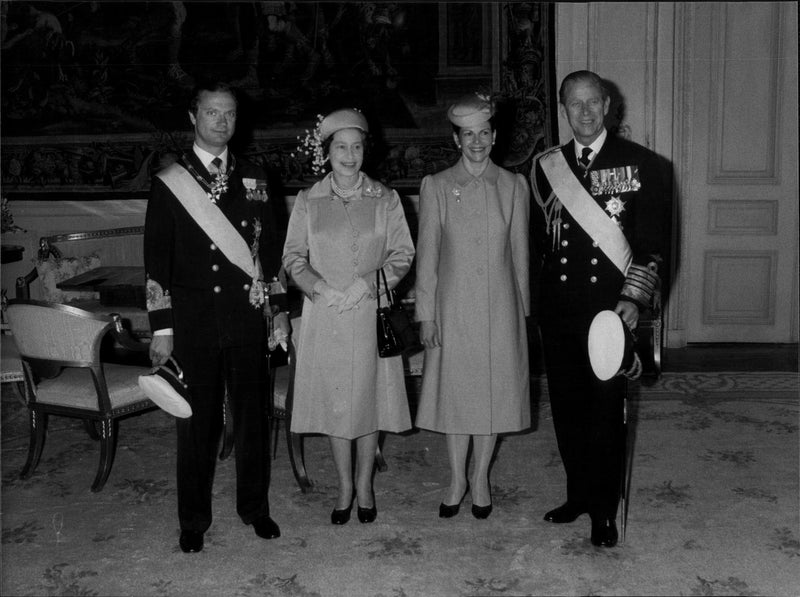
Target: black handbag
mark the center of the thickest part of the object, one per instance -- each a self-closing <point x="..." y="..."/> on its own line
<point x="395" y="329"/>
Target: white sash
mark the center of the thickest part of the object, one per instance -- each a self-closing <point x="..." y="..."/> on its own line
<point x="587" y="213"/>
<point x="210" y="218"/>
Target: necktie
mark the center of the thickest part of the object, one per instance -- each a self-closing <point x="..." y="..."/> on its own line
<point x="584" y="159"/>
<point x="215" y="167"/>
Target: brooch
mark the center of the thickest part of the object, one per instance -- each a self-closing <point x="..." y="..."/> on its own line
<point x="255" y="189"/>
<point x="373" y="191"/>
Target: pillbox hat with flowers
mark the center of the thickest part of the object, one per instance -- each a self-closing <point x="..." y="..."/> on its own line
<point x="342" y="119"/>
<point x="471" y="110"/>
<point x="311" y="144"/>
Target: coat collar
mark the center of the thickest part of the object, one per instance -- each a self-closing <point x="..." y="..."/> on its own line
<point x="462" y="177"/>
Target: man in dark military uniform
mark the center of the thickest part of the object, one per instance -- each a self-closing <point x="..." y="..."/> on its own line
<point x="596" y="234"/>
<point x="209" y="244"/>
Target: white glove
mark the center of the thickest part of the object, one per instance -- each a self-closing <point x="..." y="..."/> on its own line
<point x="331" y="296"/>
<point x="354" y="294"/>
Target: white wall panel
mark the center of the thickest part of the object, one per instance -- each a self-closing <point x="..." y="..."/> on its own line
<point x="740" y="288"/>
<point x="743" y="125"/>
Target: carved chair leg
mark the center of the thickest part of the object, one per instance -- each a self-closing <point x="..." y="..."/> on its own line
<point x="38" y="429"/>
<point x="91" y="429"/>
<point x="274" y="429"/>
<point x="294" y="442"/>
<point x="108" y="447"/>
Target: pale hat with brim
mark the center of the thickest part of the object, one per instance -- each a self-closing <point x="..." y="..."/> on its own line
<point x="472" y="109"/>
<point x="167" y="389"/>
<point x="611" y="348"/>
<point x="348" y="118"/>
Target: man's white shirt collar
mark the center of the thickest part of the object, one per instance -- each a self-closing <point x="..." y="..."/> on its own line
<point x="595" y="146"/>
<point x="206" y="157"/>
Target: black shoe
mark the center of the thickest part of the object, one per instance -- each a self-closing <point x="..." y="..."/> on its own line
<point x="367" y="515"/>
<point x="191" y="541"/>
<point x="341" y="516"/>
<point x="481" y="511"/>
<point x="266" y="528"/>
<point x="604" y="532"/>
<point x="564" y="513"/>
<point x="446" y="511"/>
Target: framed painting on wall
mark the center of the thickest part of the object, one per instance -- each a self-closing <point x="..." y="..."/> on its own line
<point x="95" y="94"/>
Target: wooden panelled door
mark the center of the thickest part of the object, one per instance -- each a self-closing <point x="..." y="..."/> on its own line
<point x="738" y="262"/>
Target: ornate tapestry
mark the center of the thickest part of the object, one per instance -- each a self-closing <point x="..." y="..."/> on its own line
<point x="95" y="94"/>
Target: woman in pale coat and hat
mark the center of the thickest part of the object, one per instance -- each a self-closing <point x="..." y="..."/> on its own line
<point x="472" y="297"/>
<point x="341" y="231"/>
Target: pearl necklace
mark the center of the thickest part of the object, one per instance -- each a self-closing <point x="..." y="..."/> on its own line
<point x="347" y="193"/>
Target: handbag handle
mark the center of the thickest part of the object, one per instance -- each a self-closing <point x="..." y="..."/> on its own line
<point x="379" y="273"/>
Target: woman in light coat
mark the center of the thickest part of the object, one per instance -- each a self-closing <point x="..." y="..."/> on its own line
<point x="341" y="232"/>
<point x="472" y="297"/>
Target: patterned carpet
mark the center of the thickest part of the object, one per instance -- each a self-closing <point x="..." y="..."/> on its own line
<point x="713" y="511"/>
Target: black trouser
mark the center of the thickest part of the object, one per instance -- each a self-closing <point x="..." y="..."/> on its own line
<point x="588" y="421"/>
<point x="208" y="370"/>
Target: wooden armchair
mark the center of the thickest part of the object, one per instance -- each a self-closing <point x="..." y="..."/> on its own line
<point x="649" y="337"/>
<point x="59" y="347"/>
<point x="281" y="397"/>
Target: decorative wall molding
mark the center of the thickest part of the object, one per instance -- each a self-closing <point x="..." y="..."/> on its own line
<point x="677" y="312"/>
<point x="732" y="105"/>
<point x="739" y="287"/>
<point x="743" y="217"/>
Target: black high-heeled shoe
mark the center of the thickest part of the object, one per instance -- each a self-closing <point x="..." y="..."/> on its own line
<point x="481" y="511"/>
<point x="341" y="516"/>
<point x="448" y="510"/>
<point x="367" y="515"/>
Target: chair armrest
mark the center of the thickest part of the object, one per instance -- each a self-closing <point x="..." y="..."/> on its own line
<point x="24" y="284"/>
<point x="123" y="337"/>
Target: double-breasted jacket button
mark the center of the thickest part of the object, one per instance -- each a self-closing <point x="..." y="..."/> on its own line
<point x="244" y="223"/>
<point x="246" y="286"/>
<point x="563" y="260"/>
<point x="564" y="243"/>
<point x="594" y="244"/>
<point x="593" y="261"/>
<point x="217" y="289"/>
<point x="593" y="279"/>
<point x="213" y="247"/>
<point x="215" y="268"/>
<point x="566" y="226"/>
<point x="563" y="277"/>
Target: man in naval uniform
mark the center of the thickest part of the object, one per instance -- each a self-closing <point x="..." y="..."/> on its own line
<point x="210" y="252"/>
<point x="597" y="234"/>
